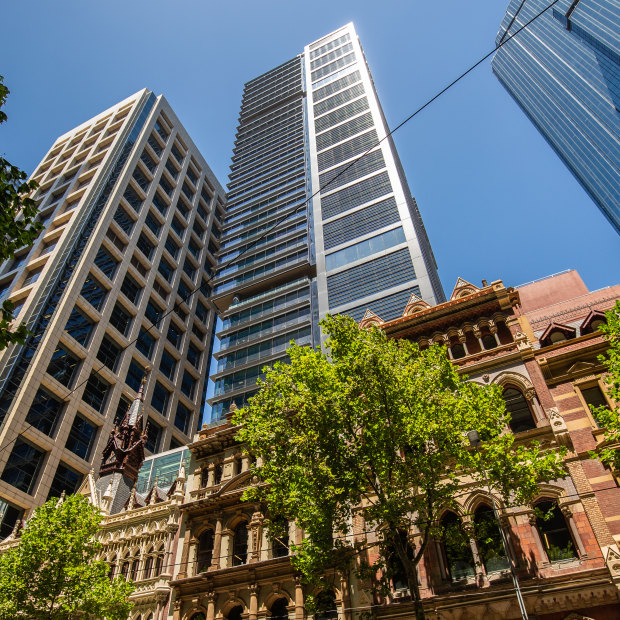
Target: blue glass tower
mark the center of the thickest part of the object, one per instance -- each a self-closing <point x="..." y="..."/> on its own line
<point x="349" y="236"/>
<point x="564" y="72"/>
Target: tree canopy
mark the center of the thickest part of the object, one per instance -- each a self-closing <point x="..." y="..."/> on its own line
<point x="53" y="573"/>
<point x="18" y="225"/>
<point x="377" y="428"/>
<point x="609" y="417"/>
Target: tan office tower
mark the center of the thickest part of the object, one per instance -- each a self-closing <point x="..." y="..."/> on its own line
<point x="131" y="215"/>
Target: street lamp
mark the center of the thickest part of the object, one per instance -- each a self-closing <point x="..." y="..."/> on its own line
<point x="475" y="441"/>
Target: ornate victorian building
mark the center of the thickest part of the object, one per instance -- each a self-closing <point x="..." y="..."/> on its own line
<point x="140" y="530"/>
<point x="540" y="344"/>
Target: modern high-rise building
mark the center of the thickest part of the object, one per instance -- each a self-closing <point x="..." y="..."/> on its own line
<point x="131" y="214"/>
<point x="564" y="72"/>
<point x="310" y="226"/>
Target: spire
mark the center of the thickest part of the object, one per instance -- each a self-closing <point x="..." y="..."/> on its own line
<point x="137" y="407"/>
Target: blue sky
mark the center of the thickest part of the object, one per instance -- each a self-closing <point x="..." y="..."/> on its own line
<point x="496" y="200"/>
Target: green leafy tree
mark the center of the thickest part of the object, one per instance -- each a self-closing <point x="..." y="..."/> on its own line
<point x="609" y="418"/>
<point x="377" y="427"/>
<point x="18" y="226"/>
<point x="53" y="573"/>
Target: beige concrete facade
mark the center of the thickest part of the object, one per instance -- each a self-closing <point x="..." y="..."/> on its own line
<point x="129" y="181"/>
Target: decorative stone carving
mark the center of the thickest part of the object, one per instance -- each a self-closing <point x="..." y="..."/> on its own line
<point x="559" y="428"/>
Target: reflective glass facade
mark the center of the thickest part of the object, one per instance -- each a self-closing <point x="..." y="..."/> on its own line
<point x="564" y="72"/>
<point x="341" y="245"/>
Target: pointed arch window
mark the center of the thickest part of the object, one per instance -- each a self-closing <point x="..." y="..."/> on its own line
<point x="458" y="558"/>
<point x="134" y="566"/>
<point x="240" y="544"/>
<point x="112" y="568"/>
<point x="489" y="540"/>
<point x="159" y="561"/>
<point x="148" y="564"/>
<point x="396" y="570"/>
<point x="521" y="418"/>
<point x="554" y="532"/>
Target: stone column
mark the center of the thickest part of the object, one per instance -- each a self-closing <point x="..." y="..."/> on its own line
<point x="478" y="335"/>
<point x="253" y="615"/>
<point x="463" y="340"/>
<point x="176" y="610"/>
<point x="183" y="568"/>
<point x="493" y="330"/>
<point x="468" y="528"/>
<point x="217" y="542"/>
<point x="300" y="612"/>
<point x="191" y="557"/>
<point x="210" y="600"/>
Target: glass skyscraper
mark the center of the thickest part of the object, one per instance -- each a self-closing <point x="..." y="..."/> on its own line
<point x="358" y="243"/>
<point x="564" y="72"/>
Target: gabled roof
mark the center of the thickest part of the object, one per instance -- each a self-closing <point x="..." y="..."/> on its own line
<point x="370" y="318"/>
<point x="593" y="316"/>
<point x="567" y="330"/>
<point x="415" y="304"/>
<point x="462" y="288"/>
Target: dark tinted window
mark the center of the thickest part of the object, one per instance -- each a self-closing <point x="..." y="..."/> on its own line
<point x="65" y="479"/>
<point x="106" y="262"/>
<point x="160" y="399"/>
<point x="145" y="343"/>
<point x="168" y="365"/>
<point x="94" y="292"/>
<point x="45" y="412"/>
<point x="63" y="366"/>
<point x="109" y="353"/>
<point x="121" y="319"/>
<point x="96" y="392"/>
<point x="182" y="418"/>
<point x="81" y="437"/>
<point x="23" y="466"/>
<point x="79" y="327"/>
<point x="153" y="436"/>
<point x="131" y="289"/>
<point x="134" y="375"/>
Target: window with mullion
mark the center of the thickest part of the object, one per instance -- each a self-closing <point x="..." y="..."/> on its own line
<point x="79" y="327"/>
<point x="96" y="392"/>
<point x="109" y="353"/>
<point x="121" y="319"/>
<point x="45" y="412"/>
<point x="81" y="437"/>
<point x="106" y="262"/>
<point x="94" y="292"/>
<point x="63" y="366"/>
<point x="23" y="466"/>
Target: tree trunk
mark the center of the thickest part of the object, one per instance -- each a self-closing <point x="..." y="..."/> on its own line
<point x="410" y="571"/>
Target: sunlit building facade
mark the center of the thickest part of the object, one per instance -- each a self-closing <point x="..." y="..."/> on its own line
<point x="130" y="211"/>
<point x="309" y="229"/>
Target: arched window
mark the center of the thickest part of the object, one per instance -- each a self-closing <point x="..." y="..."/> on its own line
<point x="458" y="351"/>
<point x="240" y="544"/>
<point x="278" y="610"/>
<point x="125" y="567"/>
<point x="134" y="566"/>
<point x="488" y="341"/>
<point x="326" y="603"/>
<point x="159" y="561"/>
<point x="204" y="477"/>
<point x="112" y="568"/>
<point x="489" y="539"/>
<point x="280" y="543"/>
<point x="235" y="613"/>
<point x="148" y="564"/>
<point x="457" y="551"/>
<point x="396" y="570"/>
<point x="554" y="532"/>
<point x="205" y="550"/>
<point x="521" y="418"/>
<point x="238" y="465"/>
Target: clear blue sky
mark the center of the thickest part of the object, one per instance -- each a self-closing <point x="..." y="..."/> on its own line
<point x="496" y="201"/>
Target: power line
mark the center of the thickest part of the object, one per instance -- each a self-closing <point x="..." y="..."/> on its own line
<point x="304" y="204"/>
